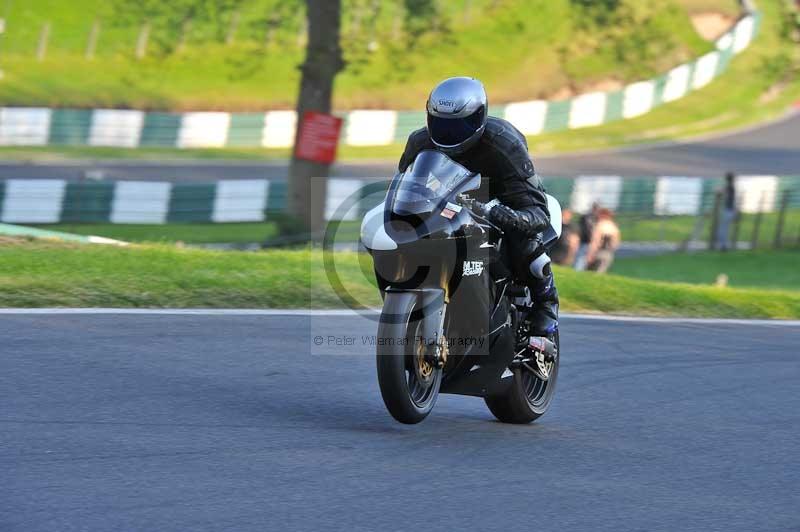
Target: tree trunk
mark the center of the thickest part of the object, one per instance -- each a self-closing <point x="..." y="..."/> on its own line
<point x="307" y="180"/>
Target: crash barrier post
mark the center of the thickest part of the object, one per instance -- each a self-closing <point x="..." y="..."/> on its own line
<point x="696" y="234"/>
<point x="44" y="37"/>
<point x="757" y="223"/>
<point x="781" y="219"/>
<point x="715" y="212"/>
<point x="233" y="25"/>
<point x="141" y="41"/>
<point x="91" y="44"/>
<point x="737" y="225"/>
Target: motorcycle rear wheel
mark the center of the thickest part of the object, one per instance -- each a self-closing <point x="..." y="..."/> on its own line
<point x="528" y="398"/>
<point x="409" y="385"/>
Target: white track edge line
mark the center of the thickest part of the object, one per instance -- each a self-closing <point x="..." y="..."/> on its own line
<point x="346" y="313"/>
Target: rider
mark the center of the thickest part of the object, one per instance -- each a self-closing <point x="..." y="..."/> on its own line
<point x="460" y="127"/>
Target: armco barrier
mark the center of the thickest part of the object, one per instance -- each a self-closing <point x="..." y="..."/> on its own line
<point x="49" y="201"/>
<point x="276" y="129"/>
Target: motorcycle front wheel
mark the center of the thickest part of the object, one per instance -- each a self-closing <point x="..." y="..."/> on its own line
<point x="409" y="383"/>
<point x="529" y="397"/>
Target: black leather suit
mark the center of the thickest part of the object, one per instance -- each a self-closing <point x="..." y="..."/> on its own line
<point x="501" y="157"/>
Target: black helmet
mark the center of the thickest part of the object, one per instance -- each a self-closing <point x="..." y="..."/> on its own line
<point x="457" y="114"/>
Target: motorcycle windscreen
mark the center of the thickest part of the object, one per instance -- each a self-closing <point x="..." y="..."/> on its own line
<point x="431" y="178"/>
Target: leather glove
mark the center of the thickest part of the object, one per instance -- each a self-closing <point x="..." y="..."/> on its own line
<point x="522" y="222"/>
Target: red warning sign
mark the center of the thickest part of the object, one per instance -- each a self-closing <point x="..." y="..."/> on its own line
<point x="319" y="137"/>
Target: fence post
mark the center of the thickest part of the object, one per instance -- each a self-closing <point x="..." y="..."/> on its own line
<point x="141" y="41"/>
<point x="712" y="239"/>
<point x="78" y="214"/>
<point x="468" y="11"/>
<point x="397" y="25"/>
<point x="91" y="45"/>
<point x="757" y="223"/>
<point x="439" y="7"/>
<point x="234" y="25"/>
<point x="186" y="27"/>
<point x="272" y="24"/>
<point x="302" y="34"/>
<point x="355" y="23"/>
<point x="737" y="224"/>
<point x="781" y="217"/>
<point x="373" y="44"/>
<point x="44" y="36"/>
<point x="696" y="234"/>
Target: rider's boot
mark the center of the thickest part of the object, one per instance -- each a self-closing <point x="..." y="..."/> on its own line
<point x="543" y="316"/>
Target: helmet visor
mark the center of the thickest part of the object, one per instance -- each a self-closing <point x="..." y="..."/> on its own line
<point x="455" y="131"/>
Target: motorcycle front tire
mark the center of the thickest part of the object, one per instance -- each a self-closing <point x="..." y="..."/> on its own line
<point x="407" y="398"/>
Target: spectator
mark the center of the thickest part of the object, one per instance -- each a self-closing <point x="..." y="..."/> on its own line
<point x="728" y="213"/>
<point x="605" y="241"/>
<point x="566" y="247"/>
<point x="586" y="231"/>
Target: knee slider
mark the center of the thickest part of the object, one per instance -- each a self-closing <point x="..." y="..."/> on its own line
<point x="540" y="267"/>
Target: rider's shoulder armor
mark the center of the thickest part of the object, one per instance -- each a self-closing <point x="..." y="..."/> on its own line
<point x="418" y="140"/>
<point x="502" y="152"/>
<point x="509" y="147"/>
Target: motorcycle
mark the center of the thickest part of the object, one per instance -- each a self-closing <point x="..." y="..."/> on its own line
<point x="453" y="319"/>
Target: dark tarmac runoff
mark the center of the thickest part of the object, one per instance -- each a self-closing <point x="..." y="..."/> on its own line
<point x="231" y="422"/>
<point x="773" y="149"/>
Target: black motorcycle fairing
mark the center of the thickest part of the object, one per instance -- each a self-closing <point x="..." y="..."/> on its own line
<point x="427" y="305"/>
<point x="415" y="227"/>
<point x="438" y="245"/>
<point x="481" y="375"/>
<point x="478" y="309"/>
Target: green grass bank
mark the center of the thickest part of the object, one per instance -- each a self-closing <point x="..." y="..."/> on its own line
<point x="244" y="55"/>
<point x="761" y="84"/>
<point x="776" y="269"/>
<point x="55" y="274"/>
<point x="188" y="233"/>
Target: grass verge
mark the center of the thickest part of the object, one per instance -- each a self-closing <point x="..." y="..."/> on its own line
<point x="189" y="233"/>
<point x="638" y="228"/>
<point x="55" y="274"/>
<point x="745" y="269"/>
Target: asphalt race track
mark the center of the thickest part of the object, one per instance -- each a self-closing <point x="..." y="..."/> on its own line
<point x="220" y="422"/>
<point x="773" y="149"/>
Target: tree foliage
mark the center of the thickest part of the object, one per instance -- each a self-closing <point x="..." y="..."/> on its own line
<point x="631" y="32"/>
<point x="170" y="18"/>
<point x="421" y="18"/>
